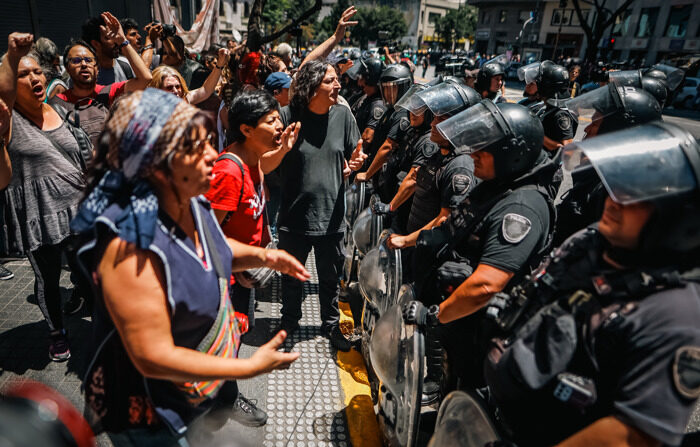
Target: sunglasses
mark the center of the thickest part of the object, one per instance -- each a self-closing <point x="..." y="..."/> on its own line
<point x="78" y="60"/>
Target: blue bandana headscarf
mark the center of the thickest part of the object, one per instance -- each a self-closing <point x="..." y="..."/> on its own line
<point x="137" y="222"/>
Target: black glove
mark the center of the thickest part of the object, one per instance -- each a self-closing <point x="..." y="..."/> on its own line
<point x="380" y="209"/>
<point x="414" y="312"/>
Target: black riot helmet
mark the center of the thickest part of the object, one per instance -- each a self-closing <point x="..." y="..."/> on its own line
<point x="370" y="69"/>
<point x="509" y="132"/>
<point x="672" y="76"/>
<point x="488" y="71"/>
<point x="446" y="99"/>
<point x="552" y="81"/>
<point x="633" y="78"/>
<point x="394" y="82"/>
<point x="469" y="64"/>
<point x="658" y="163"/>
<point x="615" y="107"/>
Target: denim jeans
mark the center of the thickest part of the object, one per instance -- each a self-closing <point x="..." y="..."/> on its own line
<point x="329" y="254"/>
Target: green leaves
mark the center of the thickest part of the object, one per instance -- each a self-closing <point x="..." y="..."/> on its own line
<point x="456" y="24"/>
<point x="373" y="20"/>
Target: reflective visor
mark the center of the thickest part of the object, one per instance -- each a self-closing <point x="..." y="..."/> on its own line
<point x="529" y="73"/>
<point x="638" y="164"/>
<point x="500" y="59"/>
<point x="674" y="75"/>
<point x="473" y="129"/>
<point x="595" y="104"/>
<point x="391" y="90"/>
<point x="355" y="71"/>
<point x="626" y="78"/>
<point x="440" y="99"/>
<point x="406" y="98"/>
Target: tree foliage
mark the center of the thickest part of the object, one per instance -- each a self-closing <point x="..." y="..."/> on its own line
<point x="372" y="20"/>
<point x="456" y="24"/>
<point x="606" y="13"/>
<point x="268" y="22"/>
<point x="326" y="27"/>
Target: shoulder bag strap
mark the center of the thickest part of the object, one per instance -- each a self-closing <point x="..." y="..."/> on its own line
<point x="230" y="156"/>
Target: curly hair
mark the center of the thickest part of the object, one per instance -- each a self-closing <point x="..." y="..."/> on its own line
<point x="308" y="79"/>
<point x="161" y="73"/>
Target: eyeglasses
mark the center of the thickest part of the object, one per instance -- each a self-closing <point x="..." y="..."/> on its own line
<point x="199" y="146"/>
<point x="78" y="60"/>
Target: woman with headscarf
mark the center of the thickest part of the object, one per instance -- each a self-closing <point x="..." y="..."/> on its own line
<point x="165" y="334"/>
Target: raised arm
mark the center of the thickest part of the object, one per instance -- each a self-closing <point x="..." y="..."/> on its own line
<point x="114" y="34"/>
<point x="322" y="51"/>
<point x="270" y="160"/>
<point x="5" y="165"/>
<point x="205" y="91"/>
<point x="18" y="45"/>
<point x="153" y="33"/>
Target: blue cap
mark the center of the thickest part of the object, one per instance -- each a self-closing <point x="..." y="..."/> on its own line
<point x="277" y="81"/>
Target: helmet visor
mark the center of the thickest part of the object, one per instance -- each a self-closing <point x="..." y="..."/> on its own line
<point x="392" y="90"/>
<point x="500" y="59"/>
<point x="674" y="75"/>
<point x="473" y="129"/>
<point x="594" y="105"/>
<point x="635" y="165"/>
<point x="406" y="98"/>
<point x="626" y="78"/>
<point x="440" y="99"/>
<point x="528" y="73"/>
<point x="355" y="71"/>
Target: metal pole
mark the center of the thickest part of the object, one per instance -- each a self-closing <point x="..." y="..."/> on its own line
<point x="33" y="13"/>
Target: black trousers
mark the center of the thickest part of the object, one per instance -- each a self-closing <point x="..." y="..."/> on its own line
<point x="244" y="302"/>
<point x="329" y="265"/>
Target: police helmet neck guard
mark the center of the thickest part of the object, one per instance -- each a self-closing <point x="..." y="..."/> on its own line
<point x="635" y="106"/>
<point x="521" y="146"/>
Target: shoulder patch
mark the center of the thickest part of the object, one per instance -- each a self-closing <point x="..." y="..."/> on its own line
<point x="515" y="227"/>
<point x="404" y="124"/>
<point x="377" y="113"/>
<point x="461" y="183"/>
<point x="429" y="149"/>
<point x="564" y="121"/>
<point x="686" y="371"/>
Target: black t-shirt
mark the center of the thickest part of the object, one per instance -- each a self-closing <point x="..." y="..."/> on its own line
<point x="559" y="124"/>
<point x="515" y="228"/>
<point x="313" y="192"/>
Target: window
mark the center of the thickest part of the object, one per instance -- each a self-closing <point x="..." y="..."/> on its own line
<point x="647" y="22"/>
<point x="503" y="16"/>
<point x="556" y="17"/>
<point x="622" y="23"/>
<point x="562" y="17"/>
<point x="678" y="21"/>
<point x="485" y="17"/>
<point x="574" y="17"/>
<point x="689" y="83"/>
<point x="221" y="8"/>
<point x="433" y="17"/>
<point x="246" y="9"/>
<point x="523" y="16"/>
<point x="235" y="6"/>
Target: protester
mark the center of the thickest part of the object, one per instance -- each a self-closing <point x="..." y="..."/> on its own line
<point x="174" y="55"/>
<point x="277" y="84"/>
<point x="285" y="51"/>
<point x="106" y="36"/>
<point x="313" y="193"/>
<point x="170" y="80"/>
<point x="160" y="370"/>
<point x="5" y="176"/>
<point x="86" y="95"/>
<point x="145" y="50"/>
<point x="574" y="86"/>
<point x="47" y="183"/>
<point x="50" y="62"/>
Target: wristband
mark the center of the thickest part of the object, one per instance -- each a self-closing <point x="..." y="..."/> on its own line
<point x="147" y="47"/>
<point x="123" y="44"/>
<point x="220" y="68"/>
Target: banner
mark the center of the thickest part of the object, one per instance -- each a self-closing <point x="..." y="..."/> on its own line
<point x="205" y="29"/>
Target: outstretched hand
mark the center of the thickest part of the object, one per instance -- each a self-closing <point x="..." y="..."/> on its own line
<point x="112" y="31"/>
<point x="344" y="22"/>
<point x="285" y="263"/>
<point x="19" y="44"/>
<point x="290" y="135"/>
<point x="357" y="159"/>
<point x="267" y="358"/>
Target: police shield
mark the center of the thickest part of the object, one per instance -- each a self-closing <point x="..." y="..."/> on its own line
<point x="463" y="421"/>
<point x="397" y="353"/>
<point x="380" y="277"/>
<point x="354" y="202"/>
<point x="362" y="232"/>
<point x="639" y="164"/>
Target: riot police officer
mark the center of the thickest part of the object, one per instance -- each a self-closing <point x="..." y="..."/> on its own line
<point x="492" y="239"/>
<point x="531" y="98"/>
<point x="370" y="108"/>
<point x="607" y="346"/>
<point x="610" y="108"/>
<point x="391" y="133"/>
<point x="671" y="77"/>
<point x="489" y="81"/>
<point x="552" y="87"/>
<point x="445" y="178"/>
<point x="633" y="78"/>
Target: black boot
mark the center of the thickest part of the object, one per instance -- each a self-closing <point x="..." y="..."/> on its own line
<point x="431" y="384"/>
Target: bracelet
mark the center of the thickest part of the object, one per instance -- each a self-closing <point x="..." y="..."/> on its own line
<point x="123" y="44"/>
<point x="220" y="68"/>
<point x="147" y="47"/>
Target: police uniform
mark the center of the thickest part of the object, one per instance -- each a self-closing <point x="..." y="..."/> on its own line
<point x="442" y="181"/>
<point x="559" y="124"/>
<point x="623" y="343"/>
<point x="369" y="112"/>
<point x="396" y="126"/>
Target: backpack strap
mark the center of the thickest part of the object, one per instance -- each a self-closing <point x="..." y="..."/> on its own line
<point x="81" y="137"/>
<point x="235" y="159"/>
<point x="126" y="68"/>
